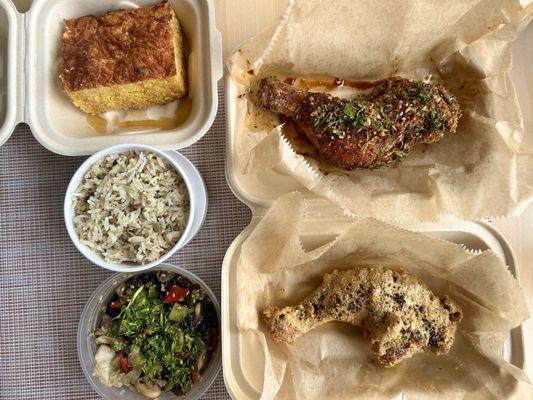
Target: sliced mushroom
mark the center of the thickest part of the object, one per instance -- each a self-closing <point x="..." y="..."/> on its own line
<point x="200" y="365"/>
<point x="121" y="290"/>
<point x="106" y="321"/>
<point x="202" y="361"/>
<point x="197" y="311"/>
<point x="106" y="367"/>
<point x="149" y="389"/>
<point x="165" y="276"/>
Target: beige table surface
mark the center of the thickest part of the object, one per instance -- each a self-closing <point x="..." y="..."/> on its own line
<point x="241" y="19"/>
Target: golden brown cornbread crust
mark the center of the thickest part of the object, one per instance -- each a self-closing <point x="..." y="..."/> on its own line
<point x="118" y="47"/>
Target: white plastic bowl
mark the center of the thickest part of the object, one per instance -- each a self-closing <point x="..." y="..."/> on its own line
<point x="30" y="89"/>
<point x="50" y="114"/>
<point x="90" y="320"/>
<point x="197" y="196"/>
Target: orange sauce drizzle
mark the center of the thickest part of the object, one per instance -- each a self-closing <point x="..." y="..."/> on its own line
<point x="329" y="84"/>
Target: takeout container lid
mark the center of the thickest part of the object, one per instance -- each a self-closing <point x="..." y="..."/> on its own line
<point x="11" y="55"/>
<point x="30" y="44"/>
<point x="90" y="318"/>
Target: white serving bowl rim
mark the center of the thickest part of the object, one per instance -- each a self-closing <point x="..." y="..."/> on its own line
<point x="77" y="179"/>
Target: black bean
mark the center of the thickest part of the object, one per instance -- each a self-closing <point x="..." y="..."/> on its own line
<point x="148" y="277"/>
<point x="134" y="282"/>
<point x="190" y="322"/>
<point x="182" y="282"/>
<point x="112" y="312"/>
<point x="209" y="313"/>
<point x="201" y="328"/>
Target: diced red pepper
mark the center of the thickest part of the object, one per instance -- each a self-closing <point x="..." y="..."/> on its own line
<point x="117" y="305"/>
<point x="175" y="294"/>
<point x="213" y="342"/>
<point x="124" y="364"/>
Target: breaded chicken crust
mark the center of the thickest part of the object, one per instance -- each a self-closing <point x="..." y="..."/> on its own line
<point x="398" y="312"/>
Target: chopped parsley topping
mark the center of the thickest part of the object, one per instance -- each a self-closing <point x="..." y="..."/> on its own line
<point x="410" y="104"/>
<point x="158" y="343"/>
<point x="158" y="337"/>
<point x="356" y="115"/>
<point x="433" y="121"/>
<point x="400" y="154"/>
<point x="418" y="91"/>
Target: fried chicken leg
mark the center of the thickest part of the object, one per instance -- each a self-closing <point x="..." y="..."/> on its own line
<point x="399" y="314"/>
<point x="369" y="131"/>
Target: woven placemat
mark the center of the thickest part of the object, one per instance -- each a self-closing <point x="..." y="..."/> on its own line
<point x="45" y="281"/>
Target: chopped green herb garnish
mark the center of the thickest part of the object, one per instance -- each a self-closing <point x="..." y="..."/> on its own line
<point x="349" y="111"/>
<point x="418" y="91"/>
<point x="424" y="97"/>
<point x="433" y="121"/>
<point x="400" y="154"/>
<point x="356" y="115"/>
<point x="158" y="341"/>
<point x="157" y="338"/>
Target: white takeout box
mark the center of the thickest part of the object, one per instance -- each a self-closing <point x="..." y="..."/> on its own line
<point x="30" y="89"/>
<point x="262" y="193"/>
<point x="243" y="364"/>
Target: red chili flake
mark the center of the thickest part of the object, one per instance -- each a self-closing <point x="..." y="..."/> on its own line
<point x="175" y="294"/>
<point x="124" y="364"/>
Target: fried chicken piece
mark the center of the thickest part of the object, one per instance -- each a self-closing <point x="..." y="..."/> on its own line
<point x="399" y="314"/>
<point x="369" y="131"/>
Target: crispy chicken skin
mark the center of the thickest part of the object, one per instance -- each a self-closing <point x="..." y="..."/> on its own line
<point x="399" y="314"/>
<point x="372" y="130"/>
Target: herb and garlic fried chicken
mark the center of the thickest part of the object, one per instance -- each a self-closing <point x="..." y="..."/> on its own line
<point x="370" y="131"/>
<point x="399" y="314"/>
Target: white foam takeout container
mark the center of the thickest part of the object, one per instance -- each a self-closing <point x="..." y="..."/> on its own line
<point x="261" y="193"/>
<point x="30" y="89"/>
<point x="243" y="364"/>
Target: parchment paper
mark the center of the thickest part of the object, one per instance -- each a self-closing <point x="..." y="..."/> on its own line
<point x="333" y="361"/>
<point x="482" y="170"/>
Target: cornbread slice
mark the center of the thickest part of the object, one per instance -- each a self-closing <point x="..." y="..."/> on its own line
<point x="125" y="59"/>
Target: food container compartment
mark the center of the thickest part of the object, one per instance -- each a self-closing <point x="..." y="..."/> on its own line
<point x="9" y="68"/>
<point x="61" y="127"/>
<point x="197" y="198"/>
<point x="90" y="320"/>
<point x="243" y="367"/>
<point x="260" y="194"/>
